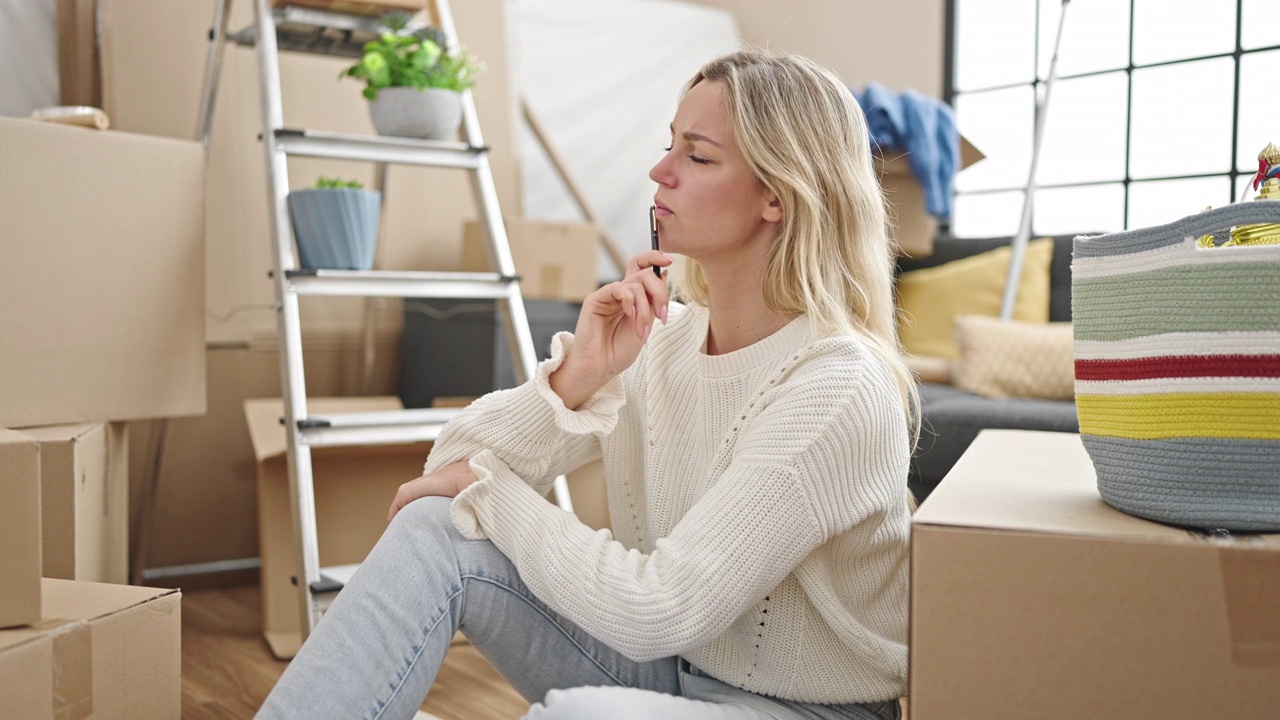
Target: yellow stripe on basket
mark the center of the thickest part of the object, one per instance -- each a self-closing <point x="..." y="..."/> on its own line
<point x="1251" y="415"/>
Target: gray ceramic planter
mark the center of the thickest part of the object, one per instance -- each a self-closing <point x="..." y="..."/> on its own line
<point x="336" y="228"/>
<point x="430" y="114"/>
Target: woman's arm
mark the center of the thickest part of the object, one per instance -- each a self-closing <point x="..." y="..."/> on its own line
<point x="551" y="424"/>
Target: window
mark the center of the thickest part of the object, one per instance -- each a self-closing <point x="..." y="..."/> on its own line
<point x="1159" y="111"/>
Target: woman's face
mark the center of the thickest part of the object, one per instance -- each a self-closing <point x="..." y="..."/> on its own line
<point x="709" y="203"/>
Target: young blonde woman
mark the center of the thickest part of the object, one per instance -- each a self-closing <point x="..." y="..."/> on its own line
<point x="755" y="440"/>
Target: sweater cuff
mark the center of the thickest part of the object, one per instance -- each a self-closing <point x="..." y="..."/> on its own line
<point x="495" y="484"/>
<point x="598" y="415"/>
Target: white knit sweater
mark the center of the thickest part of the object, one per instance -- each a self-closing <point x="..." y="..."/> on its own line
<point x="760" y="528"/>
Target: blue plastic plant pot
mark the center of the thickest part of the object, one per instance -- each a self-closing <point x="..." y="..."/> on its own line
<point x="336" y="228"/>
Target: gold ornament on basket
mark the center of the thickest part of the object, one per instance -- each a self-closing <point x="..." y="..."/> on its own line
<point x="1268" y="179"/>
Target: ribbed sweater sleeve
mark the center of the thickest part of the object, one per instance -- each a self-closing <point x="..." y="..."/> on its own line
<point x="804" y="465"/>
<point x="529" y="429"/>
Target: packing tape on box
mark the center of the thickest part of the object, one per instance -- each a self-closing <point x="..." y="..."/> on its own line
<point x="1251" y="585"/>
<point x="73" y="672"/>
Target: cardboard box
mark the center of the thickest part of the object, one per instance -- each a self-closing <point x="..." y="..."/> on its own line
<point x="108" y="652"/>
<point x="84" y="499"/>
<point x="354" y="487"/>
<point x="19" y="529"/>
<point x="101" y="275"/>
<point x="1033" y="598"/>
<point x="556" y="261"/>
<point x="914" y="227"/>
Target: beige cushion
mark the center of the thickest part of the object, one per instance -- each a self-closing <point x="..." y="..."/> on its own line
<point x="930" y="369"/>
<point x="1011" y="358"/>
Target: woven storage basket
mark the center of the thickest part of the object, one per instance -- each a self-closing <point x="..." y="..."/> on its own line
<point x="1177" y="360"/>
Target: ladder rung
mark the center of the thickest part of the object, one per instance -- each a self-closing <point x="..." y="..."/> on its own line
<point x="379" y="148"/>
<point x="386" y="283"/>
<point x="375" y="428"/>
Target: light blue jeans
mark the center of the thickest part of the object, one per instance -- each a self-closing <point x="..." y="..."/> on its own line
<point x="377" y="650"/>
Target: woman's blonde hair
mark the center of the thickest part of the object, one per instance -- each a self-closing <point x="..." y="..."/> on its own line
<point x="806" y="139"/>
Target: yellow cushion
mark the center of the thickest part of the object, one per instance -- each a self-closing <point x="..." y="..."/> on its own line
<point x="1011" y="358"/>
<point x="930" y="299"/>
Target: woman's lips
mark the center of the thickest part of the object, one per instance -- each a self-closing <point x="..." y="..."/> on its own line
<point x="661" y="211"/>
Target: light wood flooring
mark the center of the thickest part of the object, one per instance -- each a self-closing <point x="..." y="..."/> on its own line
<point x="227" y="669"/>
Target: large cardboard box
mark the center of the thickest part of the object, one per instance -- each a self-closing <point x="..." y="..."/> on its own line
<point x="107" y="652"/>
<point x="19" y="529"/>
<point x="1033" y="598"/>
<point x="555" y="261"/>
<point x="101" y="275"/>
<point x="354" y="487"/>
<point x="84" y="498"/>
<point x="914" y="228"/>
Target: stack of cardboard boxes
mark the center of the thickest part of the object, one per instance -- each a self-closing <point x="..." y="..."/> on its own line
<point x="102" y="285"/>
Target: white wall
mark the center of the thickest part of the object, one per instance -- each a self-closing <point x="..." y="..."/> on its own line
<point x="28" y="56"/>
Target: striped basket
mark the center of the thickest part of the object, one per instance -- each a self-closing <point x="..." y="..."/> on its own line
<point x="1177" y="359"/>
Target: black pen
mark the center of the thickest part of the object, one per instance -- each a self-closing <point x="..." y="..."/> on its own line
<point x="653" y="235"/>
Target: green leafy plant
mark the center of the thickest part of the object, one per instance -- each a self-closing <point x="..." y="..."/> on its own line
<point x="417" y="59"/>
<point x="325" y="183"/>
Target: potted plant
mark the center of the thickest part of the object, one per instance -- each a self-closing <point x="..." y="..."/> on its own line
<point x="412" y="84"/>
<point x="335" y="224"/>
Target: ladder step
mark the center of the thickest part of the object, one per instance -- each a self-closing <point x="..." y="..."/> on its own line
<point x="379" y="148"/>
<point x="386" y="283"/>
<point x="393" y="427"/>
<point x="319" y="32"/>
<point x="332" y="579"/>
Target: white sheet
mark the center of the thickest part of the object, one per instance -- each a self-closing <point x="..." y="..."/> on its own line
<point x="604" y="77"/>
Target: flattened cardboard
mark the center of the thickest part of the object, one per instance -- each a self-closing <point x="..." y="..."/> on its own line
<point x="19" y="529"/>
<point x="84" y="497"/>
<point x="354" y="487"/>
<point x="1033" y="598"/>
<point x="108" y="652"/>
<point x="101" y="275"/>
<point x="913" y="227"/>
<point x="555" y="261"/>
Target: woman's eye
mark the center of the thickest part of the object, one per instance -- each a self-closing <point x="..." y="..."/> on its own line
<point x="699" y="160"/>
<point x="666" y="149"/>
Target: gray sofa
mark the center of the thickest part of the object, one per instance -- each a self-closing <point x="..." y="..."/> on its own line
<point x="952" y="418"/>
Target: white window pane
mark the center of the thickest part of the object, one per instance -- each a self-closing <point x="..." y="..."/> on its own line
<point x="999" y="123"/>
<point x="987" y="214"/>
<point x="1182" y="119"/>
<point x="1085" y="130"/>
<point x="1076" y="210"/>
<point x="1161" y="201"/>
<point x="1260" y="26"/>
<point x="1096" y="37"/>
<point x="1259" y="105"/>
<point x="995" y="42"/>
<point x="1177" y="29"/>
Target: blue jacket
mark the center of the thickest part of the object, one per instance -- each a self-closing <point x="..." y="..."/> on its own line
<point x="925" y="129"/>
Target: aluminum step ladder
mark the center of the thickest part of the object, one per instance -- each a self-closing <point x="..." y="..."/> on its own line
<point x="317" y="31"/>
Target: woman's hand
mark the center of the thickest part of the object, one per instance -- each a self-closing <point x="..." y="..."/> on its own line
<point x="448" y="481"/>
<point x="612" y="328"/>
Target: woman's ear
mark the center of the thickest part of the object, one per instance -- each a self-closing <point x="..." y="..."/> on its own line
<point x="772" y="211"/>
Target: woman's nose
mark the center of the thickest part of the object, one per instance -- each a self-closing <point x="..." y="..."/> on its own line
<point x="661" y="173"/>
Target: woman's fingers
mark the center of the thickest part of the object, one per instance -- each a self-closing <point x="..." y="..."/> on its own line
<point x="647" y="260"/>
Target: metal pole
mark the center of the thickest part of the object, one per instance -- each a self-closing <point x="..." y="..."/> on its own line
<point x="1019" y="245"/>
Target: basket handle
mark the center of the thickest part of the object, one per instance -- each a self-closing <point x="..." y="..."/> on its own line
<point x="1223" y="218"/>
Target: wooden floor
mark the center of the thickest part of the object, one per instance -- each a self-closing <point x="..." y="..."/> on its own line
<point x="227" y="669"/>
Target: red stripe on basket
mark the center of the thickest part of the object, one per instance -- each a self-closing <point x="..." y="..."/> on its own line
<point x="1259" y="366"/>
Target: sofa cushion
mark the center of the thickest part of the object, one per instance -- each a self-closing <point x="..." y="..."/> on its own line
<point x="947" y="248"/>
<point x="1011" y="358"/>
<point x="929" y="299"/>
